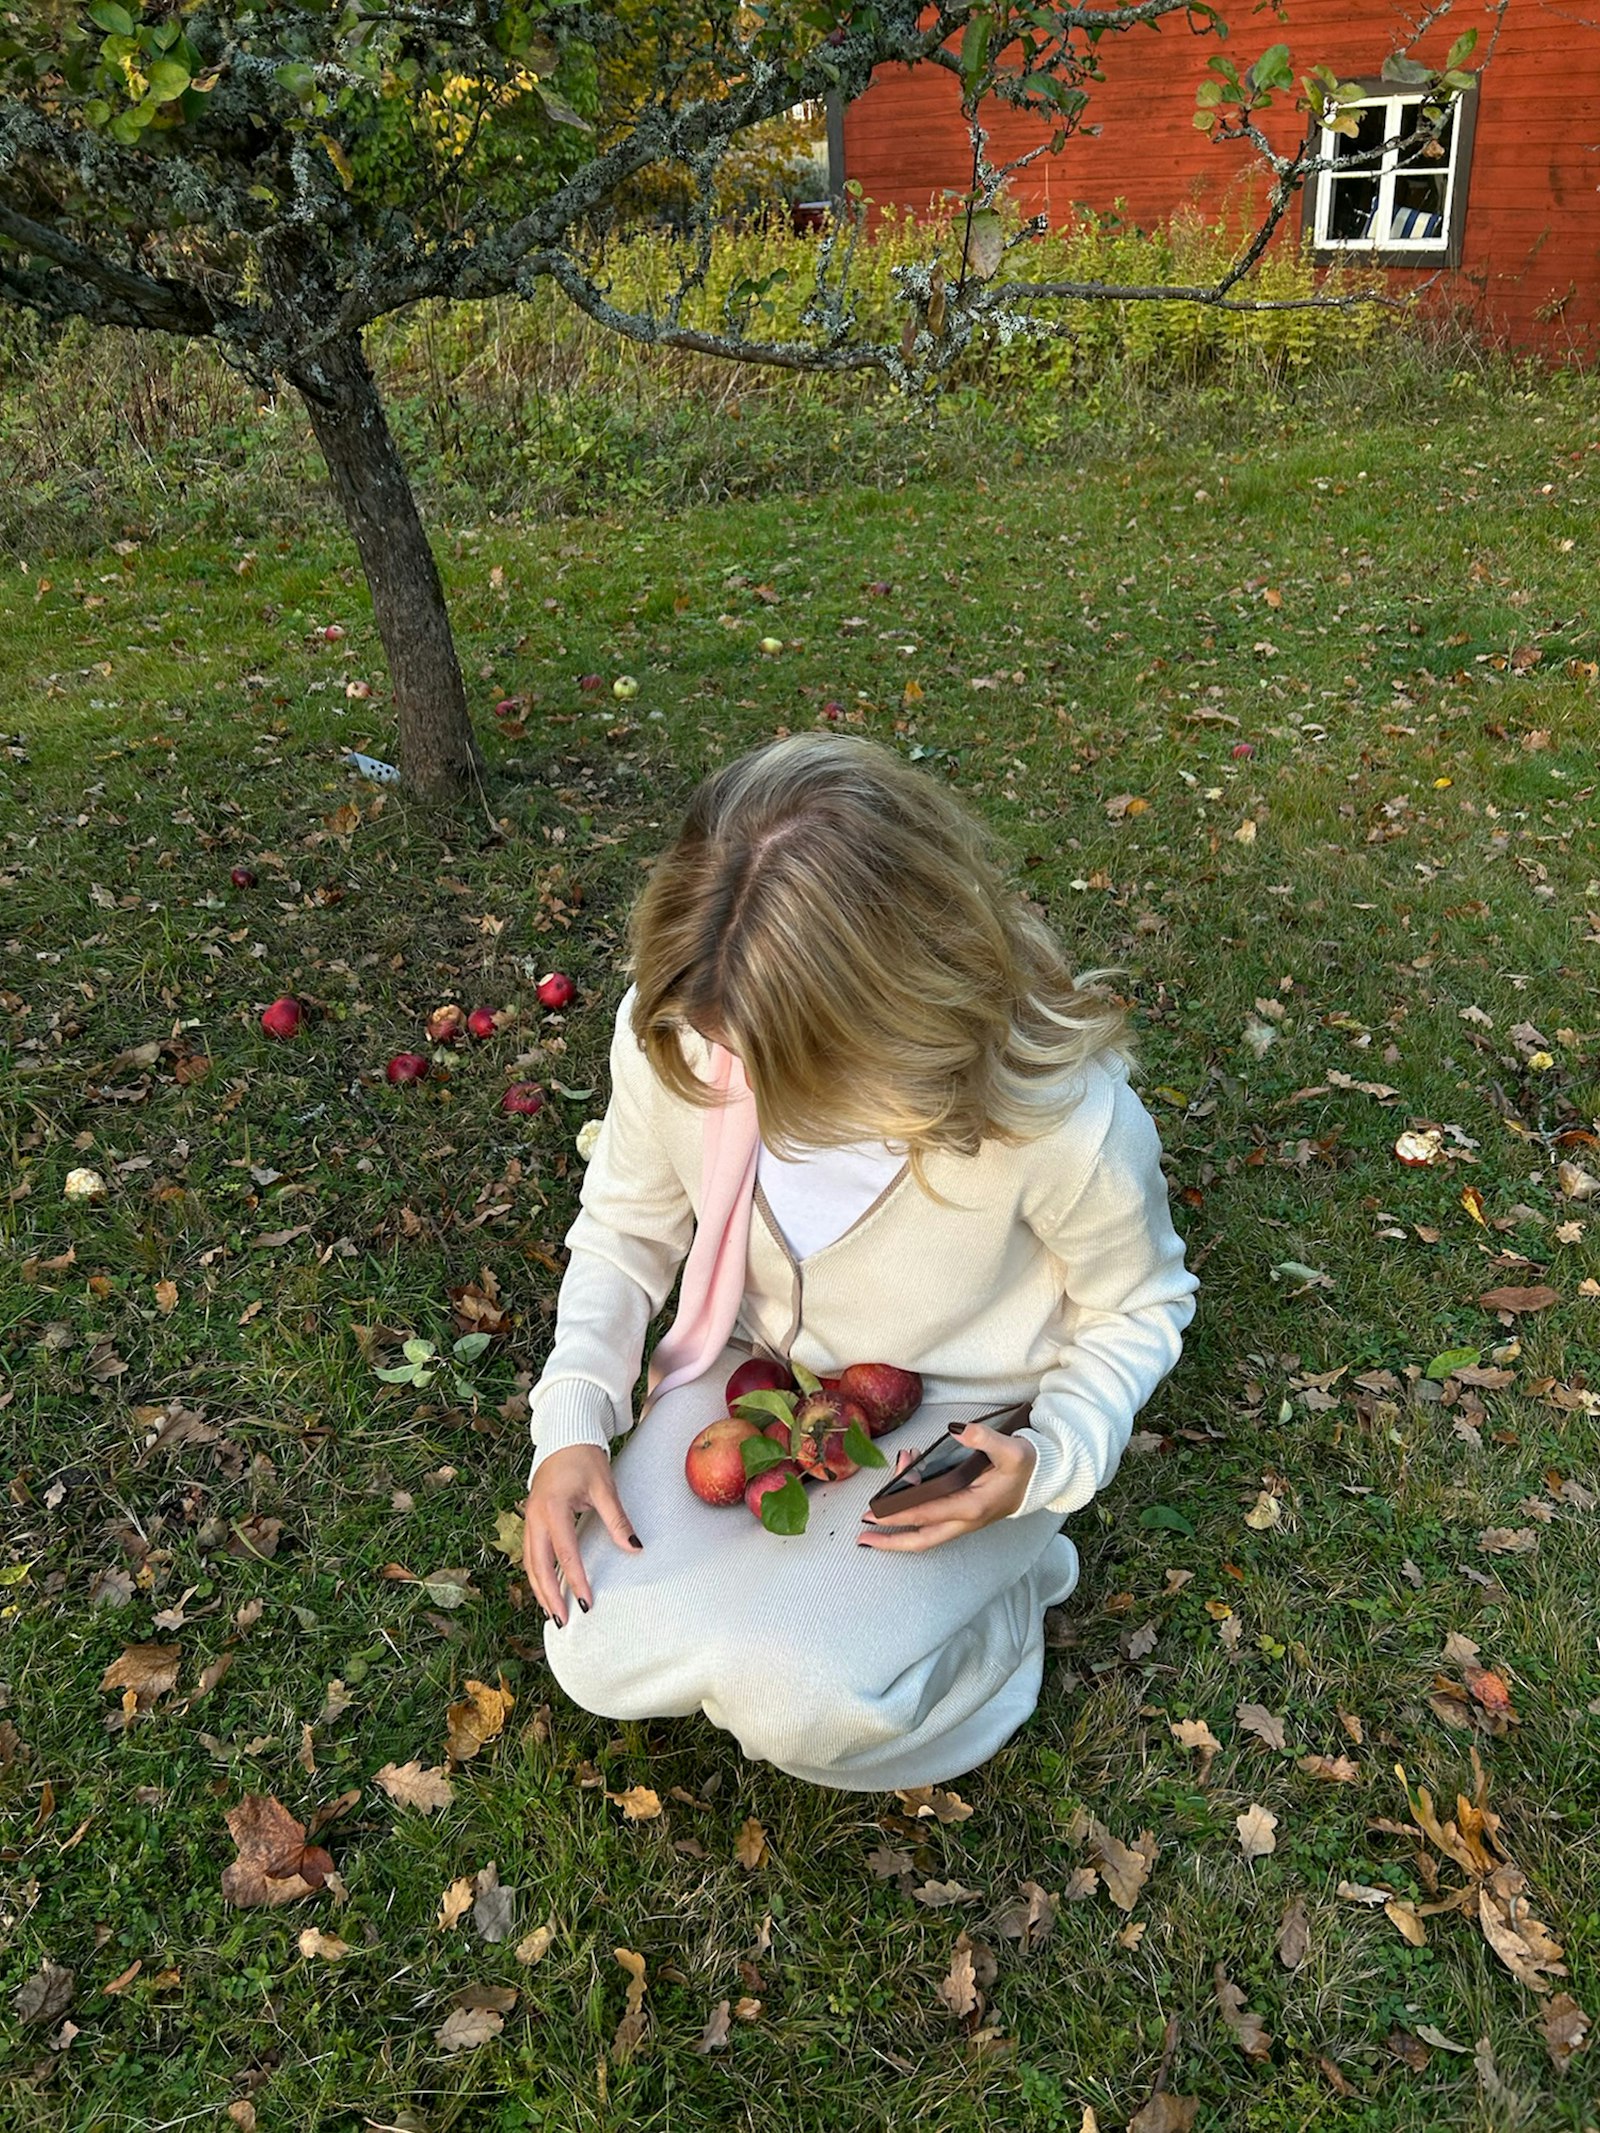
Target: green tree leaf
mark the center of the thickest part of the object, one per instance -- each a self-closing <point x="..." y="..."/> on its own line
<point x="1162" y="1517"/>
<point x="114" y="20"/>
<point x="1454" y="1359"/>
<point x="765" y="1406"/>
<point x="860" y="1447"/>
<point x="786" y="1510"/>
<point x="470" y="1347"/>
<point x="761" y="1455"/>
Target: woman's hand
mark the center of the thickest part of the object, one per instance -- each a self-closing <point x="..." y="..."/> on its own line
<point x="996" y="1493"/>
<point x="567" y="1484"/>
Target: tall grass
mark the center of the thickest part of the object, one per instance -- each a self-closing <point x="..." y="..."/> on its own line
<point x="528" y="406"/>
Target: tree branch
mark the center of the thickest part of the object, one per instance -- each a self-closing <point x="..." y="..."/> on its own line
<point x="161" y="305"/>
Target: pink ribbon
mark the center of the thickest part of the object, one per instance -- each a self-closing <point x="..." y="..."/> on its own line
<point x="714" y="1272"/>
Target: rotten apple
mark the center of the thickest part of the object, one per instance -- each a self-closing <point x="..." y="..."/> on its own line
<point x="446" y="1024"/>
<point x="817" y="1438"/>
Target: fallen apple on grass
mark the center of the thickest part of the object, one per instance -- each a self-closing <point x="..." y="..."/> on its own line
<point x="446" y="1025"/>
<point x="524" y="1099"/>
<point x="284" y="1017"/>
<point x="242" y="878"/>
<point x="481" y="1023"/>
<point x="405" y="1067"/>
<point x="556" y="990"/>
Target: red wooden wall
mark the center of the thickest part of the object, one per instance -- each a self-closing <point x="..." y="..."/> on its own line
<point x="1530" y="266"/>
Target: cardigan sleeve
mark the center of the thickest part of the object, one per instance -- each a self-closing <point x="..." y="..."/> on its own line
<point x="1133" y="1297"/>
<point x="630" y="1237"/>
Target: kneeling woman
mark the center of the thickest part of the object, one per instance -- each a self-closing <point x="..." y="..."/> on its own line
<point x="859" y="1099"/>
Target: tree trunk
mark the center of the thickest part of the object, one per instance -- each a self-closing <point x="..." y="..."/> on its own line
<point x="439" y="754"/>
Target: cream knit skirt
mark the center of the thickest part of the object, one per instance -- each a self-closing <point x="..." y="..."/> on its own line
<point x="841" y="1665"/>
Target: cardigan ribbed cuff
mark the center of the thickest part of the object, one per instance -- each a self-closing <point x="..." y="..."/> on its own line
<point x="570" y="1411"/>
<point x="1055" y="1483"/>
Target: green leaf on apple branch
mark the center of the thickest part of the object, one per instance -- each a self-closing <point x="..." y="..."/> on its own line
<point x="807" y="1380"/>
<point x="765" y="1407"/>
<point x="786" y="1510"/>
<point x="760" y="1455"/>
<point x="860" y="1447"/>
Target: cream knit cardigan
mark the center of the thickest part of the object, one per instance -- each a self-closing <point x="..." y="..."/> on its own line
<point x="1048" y="1271"/>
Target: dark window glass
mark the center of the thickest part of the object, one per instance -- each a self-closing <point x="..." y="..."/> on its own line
<point x="1354" y="201"/>
<point x="1371" y="132"/>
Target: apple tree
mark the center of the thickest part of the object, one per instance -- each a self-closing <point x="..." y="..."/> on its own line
<point x="276" y="175"/>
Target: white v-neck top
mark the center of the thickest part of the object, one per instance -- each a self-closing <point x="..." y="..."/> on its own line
<point x="816" y="1197"/>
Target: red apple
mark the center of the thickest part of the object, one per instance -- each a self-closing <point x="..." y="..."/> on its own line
<point x="333" y="634"/>
<point x="777" y="1431"/>
<point x="1241" y="749"/>
<point x="761" y="1374"/>
<point x="817" y="1439"/>
<point x="833" y="712"/>
<point x="283" y="1017"/>
<point x="764" y="1484"/>
<point x="592" y="684"/>
<point x="481" y="1022"/>
<point x="406" y="1066"/>
<point x="242" y="878"/>
<point x="714" y="1465"/>
<point x="445" y="1025"/>
<point x="524" y="1099"/>
<point x="829" y="1384"/>
<point x="508" y="707"/>
<point x="556" y="990"/>
<point x="888" y="1394"/>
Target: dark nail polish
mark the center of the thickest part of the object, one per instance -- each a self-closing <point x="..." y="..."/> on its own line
<point x="635" y="1542"/>
<point x="955" y="1429"/>
<point x="584" y="1605"/>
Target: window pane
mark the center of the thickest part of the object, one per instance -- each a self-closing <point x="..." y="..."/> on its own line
<point x="1418" y="207"/>
<point x="1372" y="130"/>
<point x="1425" y="155"/>
<point x="1351" y="209"/>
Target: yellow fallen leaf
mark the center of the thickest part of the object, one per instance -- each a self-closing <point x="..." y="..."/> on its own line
<point x="456" y="1902"/>
<point x="479" y="1718"/>
<point x="166" y="1297"/>
<point x="639" y="1804"/>
<point x="750" y="1846"/>
<point x="1257" y="1828"/>
<point x="313" y="1942"/>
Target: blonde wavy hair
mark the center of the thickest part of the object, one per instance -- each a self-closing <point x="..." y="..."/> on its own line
<point x="841" y="922"/>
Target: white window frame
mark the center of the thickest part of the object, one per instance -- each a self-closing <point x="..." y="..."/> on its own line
<point x="1402" y="110"/>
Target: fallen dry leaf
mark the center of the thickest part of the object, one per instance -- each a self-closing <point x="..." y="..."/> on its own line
<point x="143" y="1672"/>
<point x="1195" y="1733"/>
<point x="275" y="1864"/>
<point x="958" y="1991"/>
<point x="1508" y="1540"/>
<point x="1402" y="1915"/>
<point x="1517" y="1301"/>
<point x="456" y="1902"/>
<point x="1124" y="1867"/>
<point x="635" y="2019"/>
<point x="492" y="1905"/>
<point x="1248" y="2030"/>
<point x="1294" y="1934"/>
<point x="465" y="2028"/>
<point x="1264" y="1724"/>
<point x="714" y="2037"/>
<point x="886" y="1862"/>
<point x="638" y="1803"/>
<point x="1033" y="1919"/>
<point x="1564" y="2027"/>
<point x="1132" y="1933"/>
<point x="937" y="1895"/>
<point x="313" y="1942"/>
<point x="920" y="1800"/>
<point x="750" y="1846"/>
<point x="1257" y="1828"/>
<point x="1334" y="1769"/>
<point x="1165" y="2113"/>
<point x="479" y="1718"/>
<point x="47" y="1994"/>
<point x="409" y="1785"/>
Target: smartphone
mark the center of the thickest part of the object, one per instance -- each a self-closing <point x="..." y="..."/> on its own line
<point x="946" y="1466"/>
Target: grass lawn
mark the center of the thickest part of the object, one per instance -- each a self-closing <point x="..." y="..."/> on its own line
<point x="1382" y="920"/>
